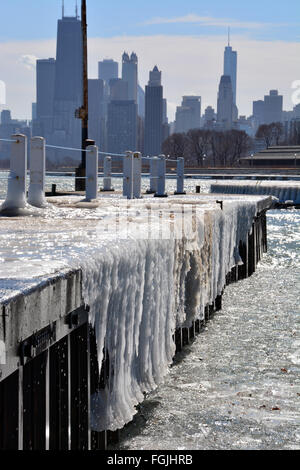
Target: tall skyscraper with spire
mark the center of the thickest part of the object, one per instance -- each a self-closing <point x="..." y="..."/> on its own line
<point x="230" y="66"/>
<point x="154" y="114"/>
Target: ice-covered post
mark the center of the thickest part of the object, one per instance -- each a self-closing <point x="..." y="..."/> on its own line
<point x="36" y="191"/>
<point x="153" y="175"/>
<point x="137" y="175"/>
<point x="16" y="189"/>
<point x="107" y="174"/>
<point x="180" y="176"/>
<point x="128" y="175"/>
<point x="91" y="172"/>
<point x="161" y="181"/>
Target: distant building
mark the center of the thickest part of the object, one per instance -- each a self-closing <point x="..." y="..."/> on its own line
<point x="209" y="117"/>
<point x="68" y="86"/>
<point x="130" y="74"/>
<point x="273" y="107"/>
<point x="122" y="126"/>
<point x="108" y="69"/>
<point x="230" y="68"/>
<point x="154" y="114"/>
<point x="45" y="84"/>
<point x="296" y="112"/>
<point x="258" y="113"/>
<point x="33" y="111"/>
<point x="225" y="104"/>
<point x="188" y="115"/>
<point x="279" y="156"/>
<point x="8" y="127"/>
<point x="118" y="89"/>
<point x="96" y="112"/>
<point x="141" y="102"/>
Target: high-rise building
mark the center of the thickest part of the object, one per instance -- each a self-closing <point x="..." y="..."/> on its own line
<point x="108" y="69"/>
<point x="45" y="83"/>
<point x="230" y="67"/>
<point x="141" y="102"/>
<point x="258" y="113"/>
<point x="225" y="103"/>
<point x="118" y="89"/>
<point x="122" y="126"/>
<point x="68" y="83"/>
<point x="130" y="74"/>
<point x="188" y="115"/>
<point x="273" y="107"/>
<point x="154" y="114"/>
<point x="96" y="112"/>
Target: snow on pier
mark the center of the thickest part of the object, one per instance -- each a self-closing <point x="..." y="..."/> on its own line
<point x="283" y="190"/>
<point x="147" y="267"/>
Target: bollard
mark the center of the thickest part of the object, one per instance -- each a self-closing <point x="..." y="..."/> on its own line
<point x="16" y="189"/>
<point x="127" y="175"/>
<point x="36" y="191"/>
<point x="161" y="182"/>
<point x="153" y="175"/>
<point x="137" y="175"/>
<point x="107" y="174"/>
<point x="91" y="173"/>
<point x="180" y="177"/>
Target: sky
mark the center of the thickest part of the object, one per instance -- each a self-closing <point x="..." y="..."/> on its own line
<point x="185" y="39"/>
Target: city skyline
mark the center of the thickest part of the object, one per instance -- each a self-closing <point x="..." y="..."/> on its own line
<point x="202" y="54"/>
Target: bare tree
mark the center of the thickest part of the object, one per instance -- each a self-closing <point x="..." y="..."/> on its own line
<point x="175" y="145"/>
<point x="272" y="133"/>
<point x="264" y="132"/>
<point x="200" y="144"/>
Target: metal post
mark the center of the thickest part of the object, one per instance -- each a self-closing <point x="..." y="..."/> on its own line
<point x="180" y="176"/>
<point x="128" y="175"/>
<point x="137" y="175"/>
<point x="82" y="113"/>
<point x="16" y="190"/>
<point x="161" y="182"/>
<point x="153" y="175"/>
<point x="36" y="192"/>
<point x="91" y="172"/>
<point x="107" y="174"/>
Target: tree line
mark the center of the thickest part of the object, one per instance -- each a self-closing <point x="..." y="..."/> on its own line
<point x="208" y="148"/>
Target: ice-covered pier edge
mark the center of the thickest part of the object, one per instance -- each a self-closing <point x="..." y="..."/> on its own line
<point x="145" y="294"/>
<point x="284" y="191"/>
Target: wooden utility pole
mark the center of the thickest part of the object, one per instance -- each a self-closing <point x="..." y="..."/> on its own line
<point x="82" y="113"/>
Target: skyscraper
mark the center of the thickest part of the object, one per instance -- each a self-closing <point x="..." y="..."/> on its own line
<point x="108" y="69"/>
<point x="121" y="126"/>
<point x="258" y="112"/>
<point x="45" y="83"/>
<point x="225" y="103"/>
<point x="96" y="111"/>
<point x="188" y="115"/>
<point x="154" y="114"/>
<point x="230" y="67"/>
<point x="68" y="83"/>
<point x="273" y="107"/>
<point x="130" y="74"/>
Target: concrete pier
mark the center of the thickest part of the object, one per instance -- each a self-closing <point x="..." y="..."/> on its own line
<point x="60" y="354"/>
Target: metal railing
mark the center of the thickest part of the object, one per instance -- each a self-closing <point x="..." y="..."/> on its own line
<point x="132" y="172"/>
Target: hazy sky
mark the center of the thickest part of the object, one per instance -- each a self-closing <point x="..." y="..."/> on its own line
<point x="185" y="39"/>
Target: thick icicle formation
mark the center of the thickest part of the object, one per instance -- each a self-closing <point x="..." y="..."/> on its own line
<point x="140" y="290"/>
